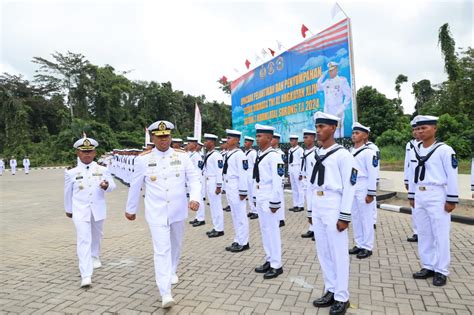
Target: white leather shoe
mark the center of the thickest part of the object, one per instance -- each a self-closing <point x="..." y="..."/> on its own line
<point x="167" y="301"/>
<point x="86" y="282"/>
<point x="174" y="279"/>
<point x="96" y="262"/>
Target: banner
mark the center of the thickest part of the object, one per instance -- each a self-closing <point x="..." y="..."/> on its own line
<point x="286" y="91"/>
<point x="197" y="123"/>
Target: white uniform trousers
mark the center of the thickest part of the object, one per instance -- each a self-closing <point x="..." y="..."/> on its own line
<point x="89" y="237"/>
<point x="331" y="245"/>
<point x="307" y="192"/>
<point x="297" y="190"/>
<point x="215" y="204"/>
<point x="239" y="213"/>
<point x="362" y="219"/>
<point x="374" y="211"/>
<point x="201" y="213"/>
<point x="252" y="207"/>
<point x="434" y="225"/>
<point x="281" y="212"/>
<point x="13" y="170"/>
<point x="270" y="229"/>
<point x="27" y="169"/>
<point x="167" y="242"/>
<point x="413" y="221"/>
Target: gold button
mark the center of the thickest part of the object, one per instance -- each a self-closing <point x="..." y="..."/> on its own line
<point x="320" y="193"/>
<point x="422" y="188"/>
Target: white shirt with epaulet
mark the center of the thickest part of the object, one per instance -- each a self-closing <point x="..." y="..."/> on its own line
<point x="236" y="170"/>
<point x="269" y="186"/>
<point x="307" y="163"/>
<point x="297" y="153"/>
<point x="165" y="175"/>
<point x="213" y="166"/>
<point x="366" y="164"/>
<point x="83" y="196"/>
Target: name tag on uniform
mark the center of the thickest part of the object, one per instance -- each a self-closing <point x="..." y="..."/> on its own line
<point x="152" y="164"/>
<point x="175" y="162"/>
<point x="79" y="177"/>
<point x="97" y="174"/>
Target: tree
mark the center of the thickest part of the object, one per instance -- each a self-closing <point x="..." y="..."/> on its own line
<point x="448" y="48"/>
<point x="398" y="83"/>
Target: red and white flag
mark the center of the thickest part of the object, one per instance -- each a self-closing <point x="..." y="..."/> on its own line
<point x="197" y="123"/>
<point x="304" y="29"/>
<point x="247" y="63"/>
<point x="272" y="52"/>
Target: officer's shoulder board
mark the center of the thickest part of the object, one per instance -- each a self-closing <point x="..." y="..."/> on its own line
<point x="179" y="150"/>
<point x="145" y="153"/>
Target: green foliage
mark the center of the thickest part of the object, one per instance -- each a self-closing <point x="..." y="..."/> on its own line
<point x="448" y="47"/>
<point x="392" y="153"/>
<point x="393" y="138"/>
<point x="458" y="132"/>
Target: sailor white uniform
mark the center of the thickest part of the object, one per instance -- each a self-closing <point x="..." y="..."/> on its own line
<point x="197" y="161"/>
<point x="2" y="167"/>
<point x="13" y="166"/>
<point x="281" y="211"/>
<point x="374" y="147"/>
<point x="294" y="169"/>
<point x="26" y="165"/>
<point x="307" y="163"/>
<point x="165" y="175"/>
<point x="268" y="172"/>
<point x="251" y="157"/>
<point x="212" y="171"/>
<point x="337" y="96"/>
<point x="406" y="171"/>
<point x="432" y="183"/>
<point x="362" y="215"/>
<point x="235" y="177"/>
<point x="333" y="178"/>
<point x="84" y="199"/>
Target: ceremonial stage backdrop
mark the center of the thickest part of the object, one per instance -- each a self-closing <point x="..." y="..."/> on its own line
<point x="286" y="91"/>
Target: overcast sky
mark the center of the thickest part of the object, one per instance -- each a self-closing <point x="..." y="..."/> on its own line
<point x="193" y="44"/>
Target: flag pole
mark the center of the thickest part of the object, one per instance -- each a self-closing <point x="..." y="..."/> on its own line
<point x="353" y="84"/>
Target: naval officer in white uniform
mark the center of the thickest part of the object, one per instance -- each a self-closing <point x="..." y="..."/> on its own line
<point x="84" y="189"/>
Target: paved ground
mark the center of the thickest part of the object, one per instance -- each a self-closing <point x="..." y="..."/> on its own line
<point x="39" y="273"/>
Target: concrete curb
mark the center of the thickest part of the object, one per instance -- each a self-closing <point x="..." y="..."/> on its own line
<point x="406" y="210"/>
<point x="38" y="168"/>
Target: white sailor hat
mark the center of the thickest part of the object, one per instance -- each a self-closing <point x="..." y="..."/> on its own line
<point x="413" y="123"/>
<point x="177" y="140"/>
<point x="86" y="144"/>
<point x="247" y="138"/>
<point x="276" y="135"/>
<point x="200" y="143"/>
<point x="210" y="136"/>
<point x="233" y="133"/>
<point x="426" y="120"/>
<point x="223" y="140"/>
<point x="264" y="129"/>
<point x="294" y="137"/>
<point x="332" y="65"/>
<point x="360" y="127"/>
<point x="324" y="118"/>
<point x="309" y="132"/>
<point x="192" y="139"/>
<point x="161" y="128"/>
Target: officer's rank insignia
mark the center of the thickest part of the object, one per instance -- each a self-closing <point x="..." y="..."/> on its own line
<point x="454" y="161"/>
<point x="353" y="176"/>
<point x="375" y="161"/>
<point x="220" y="164"/>
<point x="245" y="164"/>
<point x="162" y="126"/>
<point x="281" y="169"/>
<point x="153" y="178"/>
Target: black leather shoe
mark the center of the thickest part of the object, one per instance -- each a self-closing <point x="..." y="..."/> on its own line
<point x="273" y="273"/>
<point x="413" y="239"/>
<point x="439" y="279"/>
<point x="215" y="234"/>
<point x="355" y="250"/>
<point x="227" y="208"/>
<point x="308" y="234"/>
<point x="282" y="223"/>
<point x="423" y="274"/>
<point x="263" y="268"/>
<point x="375" y="226"/>
<point x="240" y="248"/>
<point x="364" y="253"/>
<point x="228" y="248"/>
<point x="339" y="308"/>
<point x="253" y="216"/>
<point x="313" y="239"/>
<point x="298" y="209"/>
<point x="209" y="232"/>
<point x="292" y="209"/>
<point x="193" y="221"/>
<point x="249" y="214"/>
<point x="199" y="223"/>
<point x="326" y="300"/>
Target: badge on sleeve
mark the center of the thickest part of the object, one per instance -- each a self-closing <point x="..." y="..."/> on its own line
<point x="280" y="169"/>
<point x="353" y="176"/>
<point x="375" y="161"/>
<point x="200" y="164"/>
<point x="454" y="161"/>
<point x="245" y="164"/>
<point x="220" y="164"/>
<point x="284" y="158"/>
